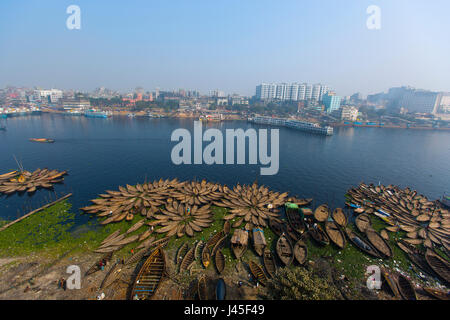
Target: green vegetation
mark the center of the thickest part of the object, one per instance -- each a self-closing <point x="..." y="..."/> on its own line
<point x="300" y="284"/>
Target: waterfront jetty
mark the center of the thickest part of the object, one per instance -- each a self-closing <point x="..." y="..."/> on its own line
<point x="295" y="124"/>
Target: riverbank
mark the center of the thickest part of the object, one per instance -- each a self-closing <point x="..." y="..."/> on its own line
<point x="386" y="126"/>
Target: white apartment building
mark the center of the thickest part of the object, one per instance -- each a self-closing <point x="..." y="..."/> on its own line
<point x="54" y="94"/>
<point x="292" y="92"/>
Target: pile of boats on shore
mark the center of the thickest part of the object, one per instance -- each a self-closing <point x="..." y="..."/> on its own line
<point x="26" y="181"/>
<point x="175" y="209"/>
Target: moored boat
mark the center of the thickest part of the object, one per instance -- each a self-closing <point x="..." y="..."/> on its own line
<point x="339" y="217"/>
<point x="202" y="289"/>
<point x="221" y="289"/>
<point x="149" y="276"/>
<point x="300" y="252"/>
<point x="361" y="243"/>
<point x="269" y="262"/>
<point x="220" y="261"/>
<point x="379" y="243"/>
<point x="322" y="213"/>
<point x="319" y="235"/>
<point x="259" y="241"/>
<point x="406" y="288"/>
<point x="239" y="242"/>
<point x="285" y="250"/>
<point x="257" y="272"/>
<point x="295" y="217"/>
<point x="438" y="294"/>
<point x="42" y="140"/>
<point x="335" y="234"/>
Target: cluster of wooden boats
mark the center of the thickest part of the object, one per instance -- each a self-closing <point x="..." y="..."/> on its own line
<point x="25" y="181"/>
<point x="425" y="224"/>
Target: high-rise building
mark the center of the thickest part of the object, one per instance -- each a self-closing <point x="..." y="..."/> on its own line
<point x="331" y="101"/>
<point x="292" y="92"/>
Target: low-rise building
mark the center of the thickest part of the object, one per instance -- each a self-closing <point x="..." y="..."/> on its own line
<point x="349" y="113"/>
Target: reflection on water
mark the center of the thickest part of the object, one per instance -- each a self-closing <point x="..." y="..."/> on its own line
<point x="102" y="154"/>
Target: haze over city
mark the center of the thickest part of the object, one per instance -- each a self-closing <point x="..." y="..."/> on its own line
<point x="230" y="45"/>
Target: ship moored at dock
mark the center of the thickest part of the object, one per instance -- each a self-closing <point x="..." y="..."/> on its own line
<point x="295" y="124"/>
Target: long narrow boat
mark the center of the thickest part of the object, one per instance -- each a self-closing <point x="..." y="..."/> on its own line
<point x="259" y="241"/>
<point x="96" y="267"/>
<point x="339" y="217"/>
<point x="322" y="213"/>
<point x="285" y="250"/>
<point x="390" y="280"/>
<point x="220" y="261"/>
<point x="269" y="262"/>
<point x="188" y="259"/>
<point x="257" y="272"/>
<point x="202" y="289"/>
<point x="294" y="217"/>
<point x="276" y="227"/>
<point x="300" y="252"/>
<point x="361" y="243"/>
<point x="221" y="289"/>
<point x="319" y="235"/>
<point x="206" y="256"/>
<point x="406" y="288"/>
<point x="438" y="294"/>
<point x="239" y="242"/>
<point x="182" y="250"/>
<point x="379" y="243"/>
<point x="335" y="234"/>
<point x="438" y="264"/>
<point x="149" y="276"/>
<point x="363" y="222"/>
<point x="42" y="140"/>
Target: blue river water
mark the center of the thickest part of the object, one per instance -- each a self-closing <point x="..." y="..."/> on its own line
<point x="101" y="154"/>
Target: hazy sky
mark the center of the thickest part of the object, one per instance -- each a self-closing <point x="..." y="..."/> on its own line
<point x="232" y="45"/>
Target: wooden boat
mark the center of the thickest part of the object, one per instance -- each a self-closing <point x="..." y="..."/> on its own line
<point x="202" y="289"/>
<point x="182" y="250"/>
<point x="257" y="272"/>
<point x="439" y="265"/>
<point x="360" y="243"/>
<point x="220" y="261"/>
<point x="335" y="234"/>
<point x="219" y="244"/>
<point x="294" y="217"/>
<point x="188" y="259"/>
<point x="239" y="242"/>
<point x="339" y="217"/>
<point x="42" y="140"/>
<point x="285" y="250"/>
<point x="199" y="249"/>
<point x="390" y="280"/>
<point x="300" y="252"/>
<point x="322" y="213"/>
<point x="276" y="227"/>
<point x="269" y="262"/>
<point x="96" y="267"/>
<point x="379" y="243"/>
<point x="363" y="222"/>
<point x="206" y="256"/>
<point x="149" y="276"/>
<point x="438" y="294"/>
<point x="221" y="289"/>
<point x="259" y="241"/>
<point x="319" y="235"/>
<point x="227" y="227"/>
<point x="406" y="288"/>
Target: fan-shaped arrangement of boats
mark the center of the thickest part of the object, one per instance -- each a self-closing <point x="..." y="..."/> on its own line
<point x="220" y="261"/>
<point x="269" y="262"/>
<point x="335" y="234"/>
<point x="379" y="243"/>
<point x="255" y="204"/>
<point x="239" y="242"/>
<point x="257" y="272"/>
<point x="202" y="289"/>
<point x="322" y="213"/>
<point x="339" y="217"/>
<point x="285" y="250"/>
<point x="300" y="252"/>
<point x="21" y="181"/>
<point x="319" y="235"/>
<point x="424" y="221"/>
<point x="363" y="222"/>
<point x="259" y="241"/>
<point x="197" y="193"/>
<point x="149" y="276"/>
<point x="406" y="288"/>
<point x="360" y="243"/>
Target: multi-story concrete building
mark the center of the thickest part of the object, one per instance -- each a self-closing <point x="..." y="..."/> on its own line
<point x="54" y="95"/>
<point x="331" y="101"/>
<point x="292" y="92"/>
<point x="349" y="113"/>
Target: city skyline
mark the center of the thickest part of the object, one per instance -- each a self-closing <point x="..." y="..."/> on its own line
<point x="227" y="46"/>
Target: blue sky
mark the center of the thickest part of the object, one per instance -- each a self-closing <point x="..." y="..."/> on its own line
<point x="231" y="45"/>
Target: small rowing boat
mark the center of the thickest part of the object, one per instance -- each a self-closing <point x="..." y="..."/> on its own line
<point x="285" y="250"/>
<point x="269" y="262"/>
<point x="257" y="272"/>
<point x="335" y="234"/>
<point x="42" y="140"/>
<point x="300" y="252"/>
<point x="239" y="242"/>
